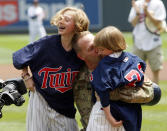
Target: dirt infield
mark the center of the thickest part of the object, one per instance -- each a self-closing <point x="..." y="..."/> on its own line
<point x="7" y="71"/>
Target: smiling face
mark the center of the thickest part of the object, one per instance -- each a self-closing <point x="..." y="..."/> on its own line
<point x="66" y="24"/>
<point x="70" y="19"/>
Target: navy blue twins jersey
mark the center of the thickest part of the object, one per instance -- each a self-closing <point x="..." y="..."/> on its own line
<point x="112" y="73"/>
<point x="53" y="69"/>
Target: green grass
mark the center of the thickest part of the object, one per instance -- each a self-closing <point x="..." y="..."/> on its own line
<point x="129" y="41"/>
<point x="9" y="44"/>
<point x="14" y="118"/>
<point x="154" y="117"/>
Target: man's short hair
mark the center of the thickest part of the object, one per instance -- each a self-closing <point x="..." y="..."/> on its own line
<point x="76" y="38"/>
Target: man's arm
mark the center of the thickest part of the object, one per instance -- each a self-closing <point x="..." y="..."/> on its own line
<point x="82" y="91"/>
<point x="144" y="94"/>
<point x="136" y="8"/>
<point x="149" y="14"/>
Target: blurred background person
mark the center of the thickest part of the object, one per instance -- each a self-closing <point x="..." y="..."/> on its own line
<point x="35" y="20"/>
<point x="81" y="6"/>
<point x="147" y="44"/>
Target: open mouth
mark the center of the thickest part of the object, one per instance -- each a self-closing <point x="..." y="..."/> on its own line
<point x="61" y="28"/>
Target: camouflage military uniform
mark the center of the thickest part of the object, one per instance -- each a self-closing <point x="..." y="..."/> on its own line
<point x="82" y="95"/>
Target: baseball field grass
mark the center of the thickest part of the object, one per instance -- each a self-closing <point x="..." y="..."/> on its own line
<point x="154" y="117"/>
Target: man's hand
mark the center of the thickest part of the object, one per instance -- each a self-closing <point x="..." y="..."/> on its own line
<point x="135" y="7"/>
<point x="145" y="6"/>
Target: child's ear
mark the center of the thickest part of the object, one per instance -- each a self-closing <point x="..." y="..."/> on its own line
<point x="80" y="57"/>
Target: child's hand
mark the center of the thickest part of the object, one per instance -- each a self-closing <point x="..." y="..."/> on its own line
<point x="110" y="118"/>
<point x="115" y="123"/>
<point x="28" y="80"/>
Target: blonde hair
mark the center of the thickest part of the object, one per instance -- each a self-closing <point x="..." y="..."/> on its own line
<point x="80" y="18"/>
<point x="111" y="38"/>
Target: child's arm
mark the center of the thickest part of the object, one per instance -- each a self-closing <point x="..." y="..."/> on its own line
<point x="110" y="118"/>
<point x="106" y="109"/>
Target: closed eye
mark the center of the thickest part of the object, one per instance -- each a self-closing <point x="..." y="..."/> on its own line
<point x="91" y="48"/>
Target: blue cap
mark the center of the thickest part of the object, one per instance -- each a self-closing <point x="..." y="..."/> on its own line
<point x="157" y="95"/>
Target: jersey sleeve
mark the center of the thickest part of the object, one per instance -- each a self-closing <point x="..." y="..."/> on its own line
<point x="24" y="56"/>
<point x="132" y="15"/>
<point x="134" y="71"/>
<point x="101" y="85"/>
<point x="30" y="12"/>
<point x="41" y="14"/>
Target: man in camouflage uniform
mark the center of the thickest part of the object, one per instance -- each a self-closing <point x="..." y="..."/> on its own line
<point x="82" y="96"/>
<point x="83" y="45"/>
<point x="82" y="88"/>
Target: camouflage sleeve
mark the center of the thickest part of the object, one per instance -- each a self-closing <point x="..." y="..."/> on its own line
<point x="82" y="95"/>
<point x="143" y="94"/>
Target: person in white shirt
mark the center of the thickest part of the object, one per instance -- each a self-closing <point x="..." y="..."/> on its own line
<point x="147" y="44"/>
<point x="35" y="21"/>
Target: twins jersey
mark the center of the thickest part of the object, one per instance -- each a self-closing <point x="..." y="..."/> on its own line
<point x="53" y="70"/>
<point x="112" y="73"/>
